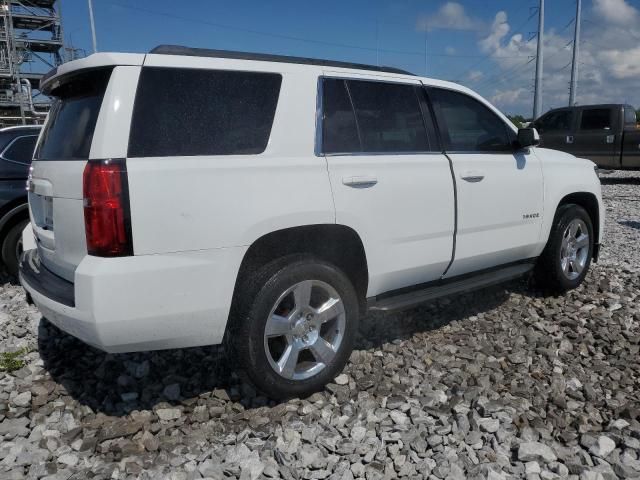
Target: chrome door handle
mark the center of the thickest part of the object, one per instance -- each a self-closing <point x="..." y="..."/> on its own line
<point x="569" y="138"/>
<point x="360" y="182"/>
<point x="472" y="177"/>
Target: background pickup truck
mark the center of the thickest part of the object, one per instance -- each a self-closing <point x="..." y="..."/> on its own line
<point x="605" y="134"/>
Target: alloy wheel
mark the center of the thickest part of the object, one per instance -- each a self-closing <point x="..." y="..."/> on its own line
<point x="574" y="250"/>
<point x="304" y="330"/>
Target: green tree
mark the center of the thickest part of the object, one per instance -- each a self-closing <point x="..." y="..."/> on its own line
<point x="518" y="120"/>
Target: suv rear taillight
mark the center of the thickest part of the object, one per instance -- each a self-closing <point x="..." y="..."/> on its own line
<point x="107" y="217"/>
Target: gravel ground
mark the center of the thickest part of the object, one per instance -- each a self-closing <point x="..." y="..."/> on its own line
<point x="497" y="384"/>
<point x="621" y="192"/>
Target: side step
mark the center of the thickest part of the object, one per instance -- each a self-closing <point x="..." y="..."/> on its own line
<point x="443" y="288"/>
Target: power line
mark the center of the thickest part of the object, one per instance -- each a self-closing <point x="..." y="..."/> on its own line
<point x="261" y="32"/>
<point x="293" y="37"/>
<point x="484" y="58"/>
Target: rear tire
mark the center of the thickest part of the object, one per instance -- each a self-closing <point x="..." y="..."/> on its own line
<point x="565" y="261"/>
<point x="12" y="247"/>
<point x="294" y="325"/>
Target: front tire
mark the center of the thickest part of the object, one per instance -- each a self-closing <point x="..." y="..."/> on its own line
<point x="12" y="247"/>
<point x="295" y="325"/>
<point x="566" y="259"/>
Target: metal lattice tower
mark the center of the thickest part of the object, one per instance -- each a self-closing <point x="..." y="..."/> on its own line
<point x="31" y="43"/>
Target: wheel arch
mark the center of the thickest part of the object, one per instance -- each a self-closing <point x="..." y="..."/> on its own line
<point x="336" y="244"/>
<point x="12" y="213"/>
<point x="589" y="202"/>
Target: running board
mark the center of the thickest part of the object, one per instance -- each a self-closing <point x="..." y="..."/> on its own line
<point x="445" y="288"/>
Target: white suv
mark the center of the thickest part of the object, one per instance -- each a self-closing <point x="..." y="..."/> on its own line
<point x="188" y="196"/>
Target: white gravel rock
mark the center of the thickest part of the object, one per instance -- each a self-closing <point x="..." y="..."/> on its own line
<point x="502" y="383"/>
<point x="603" y="447"/>
<point x="535" y="451"/>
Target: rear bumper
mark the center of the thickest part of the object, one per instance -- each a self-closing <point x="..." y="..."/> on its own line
<point x="138" y="303"/>
<point x="44" y="281"/>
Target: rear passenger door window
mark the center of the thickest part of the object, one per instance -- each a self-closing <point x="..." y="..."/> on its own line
<point x="190" y="112"/>
<point x="389" y="117"/>
<point x="340" y="132"/>
<point x="596" y="119"/>
<point x="375" y="117"/>
<point x="468" y="125"/>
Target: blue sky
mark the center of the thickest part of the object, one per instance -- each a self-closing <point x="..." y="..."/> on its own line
<point x="484" y="44"/>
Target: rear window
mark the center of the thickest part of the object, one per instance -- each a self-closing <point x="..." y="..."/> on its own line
<point x="72" y="120"/>
<point x="188" y="112"/>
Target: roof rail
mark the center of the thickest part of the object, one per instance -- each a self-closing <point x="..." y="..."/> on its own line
<point x="265" y="57"/>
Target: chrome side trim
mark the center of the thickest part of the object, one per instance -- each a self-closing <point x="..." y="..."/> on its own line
<point x="317" y="147"/>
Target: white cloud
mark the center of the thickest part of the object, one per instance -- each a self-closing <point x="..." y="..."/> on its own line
<point x="450" y="16"/>
<point x="499" y="30"/>
<point x="475" y="75"/>
<point x="450" y="51"/>
<point x="615" y="11"/>
<point x="510" y="97"/>
<point x="623" y="64"/>
<point x="609" y="61"/>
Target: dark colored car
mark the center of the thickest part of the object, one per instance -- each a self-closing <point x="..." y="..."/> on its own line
<point x="16" y="150"/>
<point x="605" y="134"/>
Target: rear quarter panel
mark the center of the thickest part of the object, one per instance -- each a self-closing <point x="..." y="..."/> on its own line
<point x="205" y="202"/>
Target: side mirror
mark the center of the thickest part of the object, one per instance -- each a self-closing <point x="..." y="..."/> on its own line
<point x="528" y="137"/>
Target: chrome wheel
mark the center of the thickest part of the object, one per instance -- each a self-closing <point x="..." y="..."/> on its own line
<point x="304" y="330"/>
<point x="574" y="251"/>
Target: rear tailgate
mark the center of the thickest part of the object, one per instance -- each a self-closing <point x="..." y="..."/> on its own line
<point x="76" y="130"/>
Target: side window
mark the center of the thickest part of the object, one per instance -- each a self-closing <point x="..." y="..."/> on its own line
<point x="556" y="121"/>
<point x="186" y="112"/>
<point x="389" y="117"/>
<point x="630" y="117"/>
<point x="470" y="126"/>
<point x="339" y="128"/>
<point x="596" y="119"/>
<point x="21" y="150"/>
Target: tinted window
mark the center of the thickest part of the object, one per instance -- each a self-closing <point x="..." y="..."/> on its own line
<point x="21" y="150"/>
<point x="339" y="132"/>
<point x="556" y="121"/>
<point x="181" y="112"/>
<point x="471" y="126"/>
<point x="596" y="119"/>
<point x="72" y="120"/>
<point x="630" y="115"/>
<point x="389" y="117"/>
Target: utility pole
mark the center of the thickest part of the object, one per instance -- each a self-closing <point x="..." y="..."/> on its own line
<point x="576" y="54"/>
<point x="93" y="27"/>
<point x="537" y="97"/>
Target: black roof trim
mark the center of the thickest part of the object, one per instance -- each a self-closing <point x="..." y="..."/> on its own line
<point x="265" y="57"/>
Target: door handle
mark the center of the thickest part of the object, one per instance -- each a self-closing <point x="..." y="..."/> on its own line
<point x="472" y="176"/>
<point x="569" y="138"/>
<point x="366" y="181"/>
